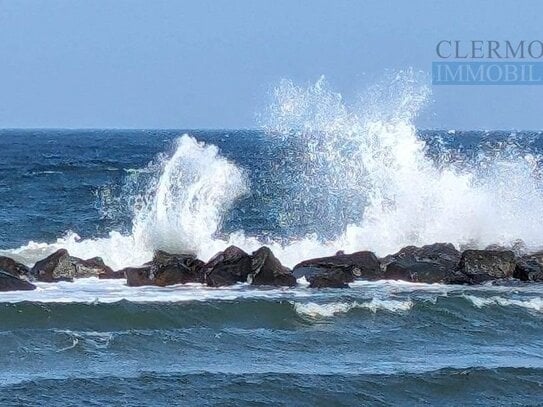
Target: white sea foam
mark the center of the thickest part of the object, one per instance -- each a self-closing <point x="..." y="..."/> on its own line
<point x="364" y="159"/>
<point x="95" y="291"/>
<point x="314" y="310"/>
<point x="535" y="304"/>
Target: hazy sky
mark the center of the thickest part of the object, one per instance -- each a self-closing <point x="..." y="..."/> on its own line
<point x="211" y="64"/>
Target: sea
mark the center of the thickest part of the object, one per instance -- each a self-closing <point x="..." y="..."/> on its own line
<point x="316" y="177"/>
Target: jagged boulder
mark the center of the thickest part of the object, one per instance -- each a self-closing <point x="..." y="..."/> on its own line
<point x="486" y="265"/>
<point x="435" y="263"/>
<point x="13" y="267"/>
<point x="266" y="269"/>
<point x="322" y="278"/>
<point x="166" y="269"/>
<point x="9" y="282"/>
<point x="360" y="265"/>
<point x="94" y="267"/>
<point x="228" y="267"/>
<point x="55" y="267"/>
<point x="530" y="267"/>
<point x="60" y="266"/>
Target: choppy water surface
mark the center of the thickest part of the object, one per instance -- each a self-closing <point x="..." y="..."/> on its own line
<point x="345" y="178"/>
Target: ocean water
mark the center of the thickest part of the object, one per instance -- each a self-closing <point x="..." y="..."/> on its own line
<point x="320" y="176"/>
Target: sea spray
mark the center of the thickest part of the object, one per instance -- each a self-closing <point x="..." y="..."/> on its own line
<point x="183" y="209"/>
<point x="346" y="176"/>
<point x="179" y="208"/>
<point x="368" y="162"/>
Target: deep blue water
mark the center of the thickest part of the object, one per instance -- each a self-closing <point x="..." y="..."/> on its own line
<point x="385" y="343"/>
<point x="43" y="170"/>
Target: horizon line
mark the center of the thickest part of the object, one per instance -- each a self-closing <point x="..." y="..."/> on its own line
<point x="230" y="129"/>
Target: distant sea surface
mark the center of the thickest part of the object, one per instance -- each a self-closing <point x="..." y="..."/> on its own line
<point x="121" y="194"/>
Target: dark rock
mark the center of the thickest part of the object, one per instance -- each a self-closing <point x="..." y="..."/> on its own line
<point x="60" y="266"/>
<point x="423" y="272"/>
<point x="112" y="275"/>
<point x="266" y="269"/>
<point x="322" y="278"/>
<point x="530" y="267"/>
<point x="165" y="269"/>
<point x="55" y="267"/>
<point x="443" y="253"/>
<point x="228" y="267"/>
<point x="363" y="265"/>
<point x="435" y="263"/>
<point x="93" y="267"/>
<point x="12" y="267"/>
<point x="138" y="276"/>
<point x="485" y="265"/>
<point x="9" y="282"/>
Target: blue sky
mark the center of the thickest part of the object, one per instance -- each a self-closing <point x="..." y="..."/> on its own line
<point x="211" y="64"/>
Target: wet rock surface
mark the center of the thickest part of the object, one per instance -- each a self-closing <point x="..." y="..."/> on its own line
<point x="166" y="269"/>
<point x="60" y="266"/>
<point x="486" y="265"/>
<point x="530" y="267"/>
<point x="266" y="269"/>
<point x="322" y="278"/>
<point x="9" y="282"/>
<point x="435" y="263"/>
<point x="13" y="267"/>
<point x="231" y="266"/>
<point x="359" y="265"/>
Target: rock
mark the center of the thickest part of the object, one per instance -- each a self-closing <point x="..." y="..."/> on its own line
<point x="423" y="272"/>
<point x="12" y="267"/>
<point x="530" y="267"/>
<point x="435" y="263"/>
<point x="322" y="278"/>
<point x="228" y="267"/>
<point x="360" y="265"/>
<point x="138" y="276"/>
<point x="55" y="267"/>
<point x="112" y="275"/>
<point x="93" y="267"/>
<point x="9" y="282"/>
<point x="165" y="269"/>
<point x="443" y="253"/>
<point x="60" y="266"/>
<point x="267" y="270"/>
<point x="485" y="265"/>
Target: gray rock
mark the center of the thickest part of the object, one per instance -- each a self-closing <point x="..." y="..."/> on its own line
<point x="530" y="267"/>
<point x="486" y="265"/>
<point x="60" y="266"/>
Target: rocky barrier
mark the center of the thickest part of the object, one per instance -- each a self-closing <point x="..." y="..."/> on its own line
<point x="435" y="263"/>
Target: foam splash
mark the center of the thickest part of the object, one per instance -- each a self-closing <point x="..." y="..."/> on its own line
<point x="361" y="175"/>
<point x="180" y="210"/>
<point x="183" y="210"/>
<point x="368" y="161"/>
<point x="314" y="310"/>
<point x="535" y="304"/>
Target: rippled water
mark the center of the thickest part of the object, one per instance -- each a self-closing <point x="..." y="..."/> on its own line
<point x="382" y="343"/>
